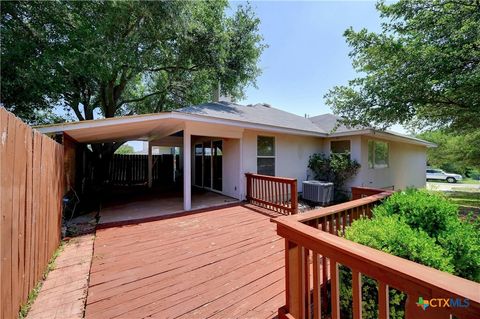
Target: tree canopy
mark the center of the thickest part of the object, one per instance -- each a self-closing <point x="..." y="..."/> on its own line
<point x="422" y="70"/>
<point x="113" y="58"/>
<point x="454" y="153"/>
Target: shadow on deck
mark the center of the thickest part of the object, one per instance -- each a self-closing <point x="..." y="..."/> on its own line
<point x="151" y="205"/>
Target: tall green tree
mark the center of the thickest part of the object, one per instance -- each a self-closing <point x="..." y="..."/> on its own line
<point x="116" y="58"/>
<point x="454" y="153"/>
<point x="422" y="69"/>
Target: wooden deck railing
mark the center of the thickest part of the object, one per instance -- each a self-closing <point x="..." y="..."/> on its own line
<point x="314" y="252"/>
<point x="276" y="193"/>
<point x="360" y="192"/>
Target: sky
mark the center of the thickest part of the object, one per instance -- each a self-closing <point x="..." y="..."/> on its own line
<point x="307" y="53"/>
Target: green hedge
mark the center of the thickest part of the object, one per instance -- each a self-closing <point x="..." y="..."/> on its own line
<point x="419" y="226"/>
<point x="438" y="217"/>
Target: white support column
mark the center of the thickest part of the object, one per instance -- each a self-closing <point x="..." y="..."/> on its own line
<point x="150" y="166"/>
<point x="187" y="170"/>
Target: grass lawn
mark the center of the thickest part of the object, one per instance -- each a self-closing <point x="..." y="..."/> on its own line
<point x="468" y="202"/>
<point x="465" y="198"/>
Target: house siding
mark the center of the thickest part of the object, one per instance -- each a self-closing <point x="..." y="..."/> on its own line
<point x="291" y="155"/>
<point x="407" y="166"/>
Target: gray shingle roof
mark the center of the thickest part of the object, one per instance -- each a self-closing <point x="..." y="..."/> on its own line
<point x="258" y="114"/>
<point x="328" y="122"/>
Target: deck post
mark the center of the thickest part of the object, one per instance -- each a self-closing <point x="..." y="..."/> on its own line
<point x="150" y="165"/>
<point x="187" y="170"/>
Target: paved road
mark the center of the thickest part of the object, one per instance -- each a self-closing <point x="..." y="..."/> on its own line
<point x="445" y="187"/>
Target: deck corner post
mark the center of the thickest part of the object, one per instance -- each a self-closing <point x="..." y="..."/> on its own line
<point x="294" y="273"/>
<point x="294" y="197"/>
<point x="249" y="186"/>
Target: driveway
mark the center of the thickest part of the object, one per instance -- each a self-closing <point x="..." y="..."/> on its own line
<point x="447" y="187"/>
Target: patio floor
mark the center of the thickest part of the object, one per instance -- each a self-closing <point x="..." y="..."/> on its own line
<point x="127" y="208"/>
<point x="221" y="263"/>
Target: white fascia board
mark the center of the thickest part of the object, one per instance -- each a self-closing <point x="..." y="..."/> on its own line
<point x="389" y="135"/>
<point x="101" y="122"/>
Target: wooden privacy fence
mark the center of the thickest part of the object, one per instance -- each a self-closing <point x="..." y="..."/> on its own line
<point x="31" y="179"/>
<point x="314" y="252"/>
<point x="276" y="193"/>
<point x="131" y="169"/>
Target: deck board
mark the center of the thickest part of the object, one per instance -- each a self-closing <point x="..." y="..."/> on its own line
<point x="223" y="263"/>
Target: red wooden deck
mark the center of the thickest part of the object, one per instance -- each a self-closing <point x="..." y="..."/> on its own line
<point x="223" y="263"/>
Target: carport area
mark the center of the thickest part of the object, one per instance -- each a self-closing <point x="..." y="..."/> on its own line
<point x="202" y="171"/>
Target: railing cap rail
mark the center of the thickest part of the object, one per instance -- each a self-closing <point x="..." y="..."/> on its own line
<point x="272" y="178"/>
<point x="432" y="279"/>
<point x="325" y="211"/>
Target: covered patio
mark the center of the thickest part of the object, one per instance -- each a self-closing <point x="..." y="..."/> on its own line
<point x="206" y="170"/>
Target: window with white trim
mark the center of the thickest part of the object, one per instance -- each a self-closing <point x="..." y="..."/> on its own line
<point x="377" y="154"/>
<point x="266" y="155"/>
<point x="340" y="147"/>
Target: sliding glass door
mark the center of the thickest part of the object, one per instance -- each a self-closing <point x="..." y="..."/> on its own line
<point x="198" y="165"/>
<point x="208" y="165"/>
<point x="217" y="165"/>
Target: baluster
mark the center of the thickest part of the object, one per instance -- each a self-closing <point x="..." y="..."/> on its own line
<point x="269" y="192"/>
<point x="306" y="266"/>
<point x="331" y="224"/>
<point x="323" y="294"/>
<point x="317" y="313"/>
<point x="357" y="294"/>
<point x="279" y="201"/>
<point x="344" y="221"/>
<point x="262" y="189"/>
<point x="383" y="301"/>
<point x="334" y="282"/>
<point x="272" y="195"/>
<point x="337" y="223"/>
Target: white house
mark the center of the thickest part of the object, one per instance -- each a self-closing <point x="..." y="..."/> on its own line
<point x="222" y="141"/>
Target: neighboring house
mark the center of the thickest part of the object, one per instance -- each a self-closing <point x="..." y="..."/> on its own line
<point x="221" y="141"/>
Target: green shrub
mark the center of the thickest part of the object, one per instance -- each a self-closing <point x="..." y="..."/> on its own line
<point x="462" y="242"/>
<point x="338" y="169"/>
<point x="429" y="212"/>
<point x="392" y="235"/>
<point x="438" y="217"/>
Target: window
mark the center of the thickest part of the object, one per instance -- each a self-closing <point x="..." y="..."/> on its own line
<point x="340" y="147"/>
<point x="377" y="154"/>
<point x="266" y="155"/>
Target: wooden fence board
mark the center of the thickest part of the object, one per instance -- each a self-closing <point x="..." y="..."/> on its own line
<point x="131" y="169"/>
<point x="31" y="180"/>
<point x="7" y="207"/>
